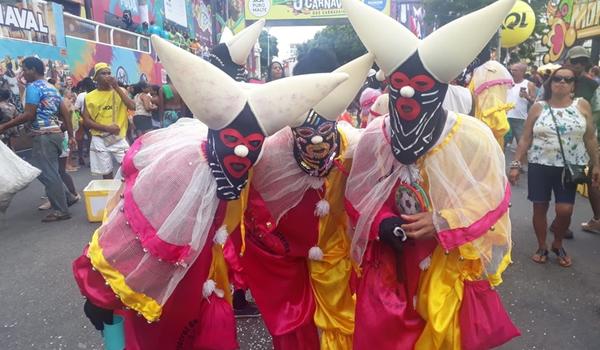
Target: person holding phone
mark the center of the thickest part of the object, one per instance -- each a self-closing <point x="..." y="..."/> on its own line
<point x="522" y="95"/>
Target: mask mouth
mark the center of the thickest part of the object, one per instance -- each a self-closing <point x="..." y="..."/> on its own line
<point x="236" y="166"/>
<point x="318" y="151"/>
<point x="408" y="109"/>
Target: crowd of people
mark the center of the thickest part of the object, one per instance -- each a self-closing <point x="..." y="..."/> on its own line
<point x="377" y="216"/>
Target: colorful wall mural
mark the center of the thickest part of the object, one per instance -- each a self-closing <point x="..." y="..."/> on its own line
<point x="128" y="66"/>
<point x="569" y="21"/>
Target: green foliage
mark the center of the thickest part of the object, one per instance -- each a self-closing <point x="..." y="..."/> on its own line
<point x="440" y="12"/>
<point x="267" y="51"/>
<point x="341" y="39"/>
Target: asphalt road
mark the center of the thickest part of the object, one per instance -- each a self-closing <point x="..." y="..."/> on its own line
<point x="40" y="306"/>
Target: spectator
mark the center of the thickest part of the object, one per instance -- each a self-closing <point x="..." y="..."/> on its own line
<point x="522" y="94"/>
<point x="595" y="74"/>
<point x="275" y="71"/>
<point x="142" y="119"/>
<point x="44" y="108"/>
<point x="105" y="114"/>
<point x="558" y="112"/>
<point x="170" y="106"/>
<point x="367" y="99"/>
<point x="82" y="135"/>
<point x="578" y="59"/>
<point x="7" y="112"/>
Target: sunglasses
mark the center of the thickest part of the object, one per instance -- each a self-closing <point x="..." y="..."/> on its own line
<point x="579" y="60"/>
<point x="558" y="79"/>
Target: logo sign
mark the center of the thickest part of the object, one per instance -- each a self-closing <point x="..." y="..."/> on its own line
<point x="304" y="9"/>
<point x="518" y="25"/>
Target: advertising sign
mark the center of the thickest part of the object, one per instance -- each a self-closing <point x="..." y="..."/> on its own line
<point x="570" y="21"/>
<point x="34" y="20"/>
<point x="304" y="9"/>
<point x="518" y="25"/>
<point x="175" y="11"/>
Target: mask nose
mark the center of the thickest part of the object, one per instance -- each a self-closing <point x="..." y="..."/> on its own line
<point x="407" y="92"/>
<point x="316" y="139"/>
<point x="241" y="151"/>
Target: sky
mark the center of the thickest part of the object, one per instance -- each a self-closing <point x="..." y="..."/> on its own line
<point x="291" y="35"/>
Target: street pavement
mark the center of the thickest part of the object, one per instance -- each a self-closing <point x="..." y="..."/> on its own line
<point x="41" y="308"/>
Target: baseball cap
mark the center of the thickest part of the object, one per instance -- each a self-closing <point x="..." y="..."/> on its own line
<point x="577" y="52"/>
<point x="98" y="67"/>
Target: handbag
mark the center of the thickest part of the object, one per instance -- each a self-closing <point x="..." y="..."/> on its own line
<point x="108" y="138"/>
<point x="572" y="174"/>
<point x="484" y="323"/>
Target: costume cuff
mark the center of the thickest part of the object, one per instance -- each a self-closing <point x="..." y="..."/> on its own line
<point x="455" y="236"/>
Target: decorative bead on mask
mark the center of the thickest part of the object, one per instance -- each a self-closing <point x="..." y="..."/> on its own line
<point x="416" y="115"/>
<point x="232" y="151"/>
<point x="316" y="144"/>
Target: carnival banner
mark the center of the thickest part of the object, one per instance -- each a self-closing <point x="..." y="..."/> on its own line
<point x="570" y="21"/>
<point x="304" y="9"/>
<point x="32" y="20"/>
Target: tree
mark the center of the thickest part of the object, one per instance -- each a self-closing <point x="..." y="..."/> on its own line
<point x="268" y="49"/>
<point x="341" y="39"/>
<point x="440" y="12"/>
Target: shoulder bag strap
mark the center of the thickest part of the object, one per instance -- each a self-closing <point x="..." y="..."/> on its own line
<point x="562" y="152"/>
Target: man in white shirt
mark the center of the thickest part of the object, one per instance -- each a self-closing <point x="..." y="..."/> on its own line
<point x="522" y="94"/>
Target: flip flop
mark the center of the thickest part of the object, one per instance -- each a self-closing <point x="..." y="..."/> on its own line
<point x="540" y="256"/>
<point x="563" y="259"/>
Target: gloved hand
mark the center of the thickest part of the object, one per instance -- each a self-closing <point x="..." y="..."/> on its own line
<point x="97" y="315"/>
<point x="392" y="234"/>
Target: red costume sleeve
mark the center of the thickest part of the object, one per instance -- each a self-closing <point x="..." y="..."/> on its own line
<point x="386" y="211"/>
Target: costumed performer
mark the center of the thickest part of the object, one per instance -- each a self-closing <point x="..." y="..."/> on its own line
<point x="428" y="196"/>
<point x="159" y="252"/>
<point x="490" y="85"/>
<point x="296" y="240"/>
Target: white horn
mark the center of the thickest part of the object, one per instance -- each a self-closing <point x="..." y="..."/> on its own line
<point x="448" y="50"/>
<point x="226" y="35"/>
<point x="390" y="42"/>
<point x="210" y="93"/>
<point x="286" y="101"/>
<point x="242" y="43"/>
<point x="336" y="102"/>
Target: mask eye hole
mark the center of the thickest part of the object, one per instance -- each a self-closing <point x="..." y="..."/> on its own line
<point x="399" y="80"/>
<point x="254" y="141"/>
<point x="422" y="83"/>
<point x="325" y="128"/>
<point x="230" y="137"/>
<point x="305" y="132"/>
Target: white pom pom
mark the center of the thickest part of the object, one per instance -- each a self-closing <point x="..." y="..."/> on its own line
<point x="315" y="140"/>
<point x="380" y="76"/>
<point x="315" y="253"/>
<point x="407" y="92"/>
<point x="241" y="151"/>
<point x="210" y="287"/>
<point x="425" y="263"/>
<point x="322" y="208"/>
<point x="221" y="235"/>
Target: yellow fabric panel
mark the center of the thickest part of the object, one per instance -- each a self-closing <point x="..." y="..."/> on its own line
<point x="100" y="106"/>
<point x="439" y="299"/>
<point x="235" y="212"/>
<point x="139" y="302"/>
<point x="491" y="108"/>
<point x="218" y="272"/>
<point x="334" y="314"/>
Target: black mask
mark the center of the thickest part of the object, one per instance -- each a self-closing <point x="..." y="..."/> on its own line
<point x="231" y="170"/>
<point x="316" y="159"/>
<point x="417" y="118"/>
<point x="221" y="58"/>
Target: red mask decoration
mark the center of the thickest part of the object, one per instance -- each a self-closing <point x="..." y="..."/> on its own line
<point x="232" y="151"/>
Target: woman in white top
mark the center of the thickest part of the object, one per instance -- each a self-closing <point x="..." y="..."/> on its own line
<point x="142" y="119"/>
<point x="546" y="164"/>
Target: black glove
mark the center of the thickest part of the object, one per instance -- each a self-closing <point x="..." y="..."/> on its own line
<point x="97" y="315"/>
<point x="392" y="234"/>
